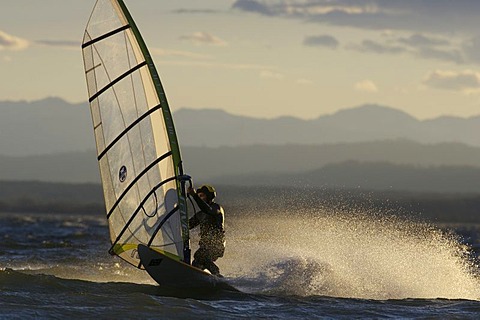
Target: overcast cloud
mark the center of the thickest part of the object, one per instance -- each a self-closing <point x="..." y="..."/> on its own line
<point x="472" y="49"/>
<point x="428" y="49"/>
<point x="376" y="47"/>
<point x="196" y="11"/>
<point x="465" y="81"/>
<point x="321" y="41"/>
<point x="204" y="38"/>
<point x="425" y="28"/>
<point x="60" y="43"/>
<point x="424" y="15"/>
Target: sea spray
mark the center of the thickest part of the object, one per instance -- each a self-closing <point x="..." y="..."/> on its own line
<point x="352" y="253"/>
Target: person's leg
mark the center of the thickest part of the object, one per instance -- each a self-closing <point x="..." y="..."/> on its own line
<point x="204" y="259"/>
<point x="213" y="268"/>
<point x="200" y="259"/>
<point x="212" y="256"/>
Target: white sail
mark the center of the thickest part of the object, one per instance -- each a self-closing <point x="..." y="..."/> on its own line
<point x="137" y="148"/>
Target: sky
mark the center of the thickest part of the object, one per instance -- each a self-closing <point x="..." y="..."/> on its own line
<point x="265" y="58"/>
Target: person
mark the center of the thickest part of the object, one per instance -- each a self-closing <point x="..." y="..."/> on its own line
<point x="212" y="233"/>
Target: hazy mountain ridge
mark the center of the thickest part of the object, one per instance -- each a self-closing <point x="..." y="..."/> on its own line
<point x="216" y="162"/>
<point x="360" y="124"/>
<point x="370" y="176"/>
<point x="45" y="126"/>
<point x="368" y="147"/>
<point x="53" y="125"/>
<point x="447" y="167"/>
<point x="75" y="167"/>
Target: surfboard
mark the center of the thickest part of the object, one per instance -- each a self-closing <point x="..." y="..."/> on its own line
<point x="171" y="272"/>
<point x="137" y="150"/>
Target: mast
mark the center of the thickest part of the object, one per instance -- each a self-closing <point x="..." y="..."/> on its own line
<point x="170" y="130"/>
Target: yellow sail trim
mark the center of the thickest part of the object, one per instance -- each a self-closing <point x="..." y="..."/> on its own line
<point x="121" y="248"/>
<point x="118" y="249"/>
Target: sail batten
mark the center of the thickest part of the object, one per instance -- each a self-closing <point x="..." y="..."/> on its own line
<point x="115" y="81"/>
<point x="137" y="148"/>
<point x="133" y="124"/>
<point x="105" y="36"/>
<point x="132" y="184"/>
<point x="160" y="225"/>
<point x="127" y="225"/>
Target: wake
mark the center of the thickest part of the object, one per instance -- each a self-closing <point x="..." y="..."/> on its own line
<point x="351" y="255"/>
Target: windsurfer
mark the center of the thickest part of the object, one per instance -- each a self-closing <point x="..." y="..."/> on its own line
<point x="212" y="233"/>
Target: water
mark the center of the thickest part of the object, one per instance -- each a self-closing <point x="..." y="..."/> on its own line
<point x="314" y="265"/>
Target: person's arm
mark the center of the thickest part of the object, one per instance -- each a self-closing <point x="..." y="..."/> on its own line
<point x="204" y="207"/>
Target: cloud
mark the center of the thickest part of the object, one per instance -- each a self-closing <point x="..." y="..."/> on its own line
<point x="178" y="53"/>
<point x="196" y="11"/>
<point x="60" y="43"/>
<point x="464" y="81"/>
<point x="301" y="8"/>
<point x="9" y="42"/>
<point x="269" y="74"/>
<point x="366" y="86"/>
<point x="321" y="41"/>
<point x="472" y="49"/>
<point x="213" y="64"/>
<point x="446" y="55"/>
<point x="204" y="38"/>
<point x="431" y="47"/>
<point x="376" y="47"/>
<point x="430" y="21"/>
<point x="417" y="45"/>
<point x="253" y="6"/>
<point x="426" y="15"/>
<point x="421" y="40"/>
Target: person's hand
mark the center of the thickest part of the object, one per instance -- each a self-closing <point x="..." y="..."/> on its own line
<point x="191" y="191"/>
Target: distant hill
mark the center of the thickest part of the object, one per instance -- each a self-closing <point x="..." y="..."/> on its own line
<point x="55" y="126"/>
<point x="360" y="124"/>
<point x="387" y="165"/>
<point x="371" y="147"/>
<point x="371" y="176"/>
<point x="211" y="163"/>
<point x="77" y="167"/>
<point x="45" y="126"/>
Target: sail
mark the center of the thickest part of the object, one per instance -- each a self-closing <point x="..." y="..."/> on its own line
<point x="137" y="148"/>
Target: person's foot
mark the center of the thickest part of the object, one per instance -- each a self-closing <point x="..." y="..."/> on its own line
<point x="216" y="272"/>
<point x="198" y="265"/>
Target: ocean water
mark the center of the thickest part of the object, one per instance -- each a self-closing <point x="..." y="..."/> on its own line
<point x="318" y="264"/>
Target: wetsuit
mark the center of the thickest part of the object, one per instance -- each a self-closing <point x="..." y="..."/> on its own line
<point x="212" y="235"/>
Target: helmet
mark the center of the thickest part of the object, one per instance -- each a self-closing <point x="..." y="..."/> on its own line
<point x="208" y="190"/>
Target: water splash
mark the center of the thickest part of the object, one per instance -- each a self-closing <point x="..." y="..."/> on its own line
<point x="355" y="254"/>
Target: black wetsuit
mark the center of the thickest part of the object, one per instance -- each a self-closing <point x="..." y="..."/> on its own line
<point x="212" y="235"/>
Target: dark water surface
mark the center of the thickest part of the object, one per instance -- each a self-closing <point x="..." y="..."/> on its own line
<point x="334" y="266"/>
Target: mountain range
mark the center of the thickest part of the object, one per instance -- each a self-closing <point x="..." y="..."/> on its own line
<point x="53" y="125"/>
<point x="368" y="147"/>
<point x="387" y="165"/>
<point x="360" y="124"/>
